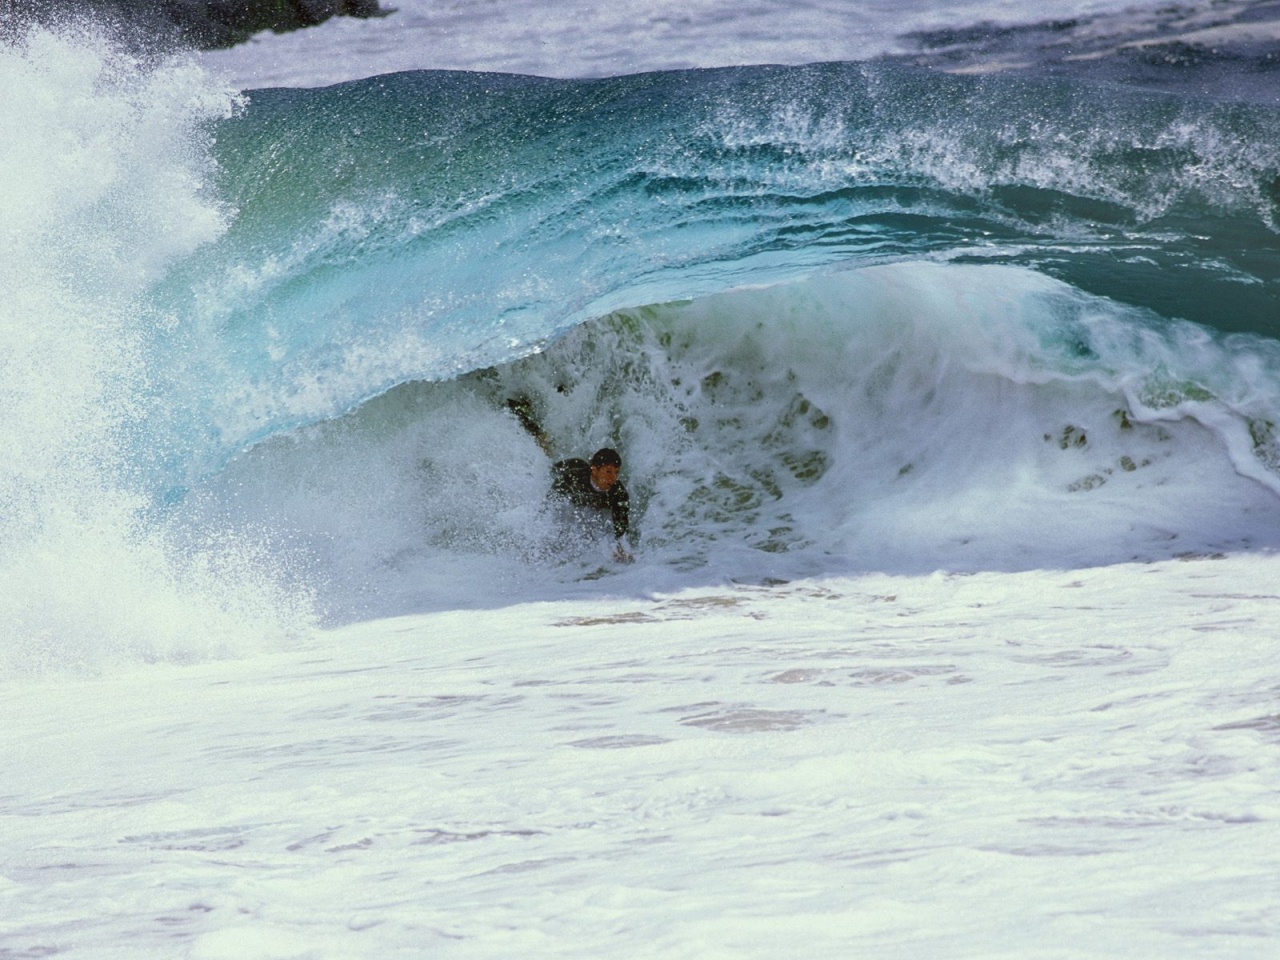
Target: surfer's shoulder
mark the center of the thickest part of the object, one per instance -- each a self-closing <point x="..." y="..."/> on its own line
<point x="571" y="474"/>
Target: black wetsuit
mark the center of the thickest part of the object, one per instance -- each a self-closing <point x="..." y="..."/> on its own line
<point x="572" y="482"/>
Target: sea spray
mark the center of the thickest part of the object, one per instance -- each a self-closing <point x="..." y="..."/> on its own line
<point x="105" y="162"/>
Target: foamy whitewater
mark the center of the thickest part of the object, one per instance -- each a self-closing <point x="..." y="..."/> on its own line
<point x="941" y="350"/>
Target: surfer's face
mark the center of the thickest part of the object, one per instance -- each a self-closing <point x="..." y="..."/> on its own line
<point x="604" y="476"/>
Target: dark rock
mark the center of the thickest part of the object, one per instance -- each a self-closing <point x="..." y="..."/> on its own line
<point x="200" y="24"/>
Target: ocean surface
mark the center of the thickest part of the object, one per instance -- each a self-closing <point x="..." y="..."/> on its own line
<point x="942" y="347"/>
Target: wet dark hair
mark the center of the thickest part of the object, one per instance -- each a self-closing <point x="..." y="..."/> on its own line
<point x="606" y="457"/>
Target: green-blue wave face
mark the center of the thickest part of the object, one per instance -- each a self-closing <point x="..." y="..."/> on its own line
<point x="417" y="226"/>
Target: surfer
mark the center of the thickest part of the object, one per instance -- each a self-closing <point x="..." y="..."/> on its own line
<point x="595" y="486"/>
<point x="589" y="487"/>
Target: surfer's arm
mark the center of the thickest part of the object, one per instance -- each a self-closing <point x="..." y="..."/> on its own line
<point x="522" y="409"/>
<point x="620" y="509"/>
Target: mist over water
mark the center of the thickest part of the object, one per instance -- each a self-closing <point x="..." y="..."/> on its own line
<point x="106" y="167"/>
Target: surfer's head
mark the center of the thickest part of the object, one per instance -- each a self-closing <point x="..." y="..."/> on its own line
<point x="605" y="465"/>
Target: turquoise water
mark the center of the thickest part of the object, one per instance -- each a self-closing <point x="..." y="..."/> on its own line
<point x="422" y="225"/>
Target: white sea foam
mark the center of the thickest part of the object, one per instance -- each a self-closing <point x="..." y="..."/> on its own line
<point x="1045" y="764"/>
<point x="105" y="165"/>
<point x="567" y="38"/>
<point x="900" y="418"/>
